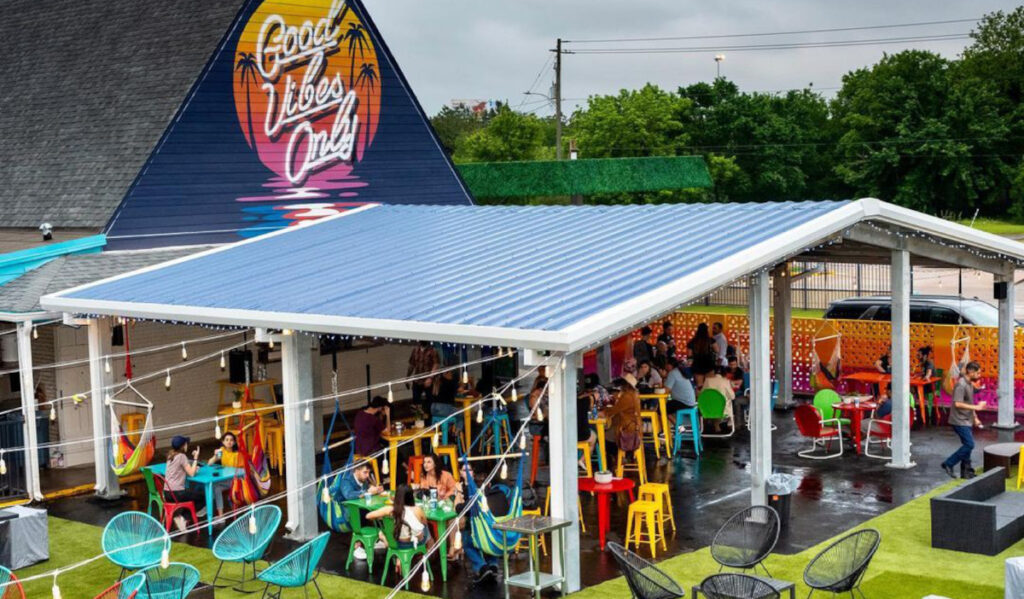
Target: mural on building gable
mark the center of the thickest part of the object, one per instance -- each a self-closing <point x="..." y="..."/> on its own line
<point x="301" y="114"/>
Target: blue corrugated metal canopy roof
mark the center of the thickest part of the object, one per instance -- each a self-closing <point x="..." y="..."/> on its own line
<point x="547" y="277"/>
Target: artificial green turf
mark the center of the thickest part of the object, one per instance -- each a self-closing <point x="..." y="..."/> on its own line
<point x="995" y="226"/>
<point x="71" y="542"/>
<point x="905" y="567"/>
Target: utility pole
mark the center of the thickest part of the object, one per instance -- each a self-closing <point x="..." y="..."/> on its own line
<point x="558" y="99"/>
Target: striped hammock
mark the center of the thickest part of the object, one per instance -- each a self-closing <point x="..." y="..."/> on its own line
<point x="481" y="522"/>
<point x="255" y="480"/>
<point x="127" y="457"/>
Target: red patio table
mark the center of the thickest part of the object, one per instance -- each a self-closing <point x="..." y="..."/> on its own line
<point x="920" y="384"/>
<point x="604" y="493"/>
<point x="855" y="411"/>
<point x="871" y="377"/>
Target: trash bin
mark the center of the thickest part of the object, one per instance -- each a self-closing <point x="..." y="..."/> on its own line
<point x="780" y="489"/>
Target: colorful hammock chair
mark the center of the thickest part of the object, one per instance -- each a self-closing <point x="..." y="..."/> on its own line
<point x="255" y="480"/>
<point x="127" y="457"/>
<point x="332" y="512"/>
<point x="960" y="355"/>
<point x="827" y="341"/>
<point x="482" y="521"/>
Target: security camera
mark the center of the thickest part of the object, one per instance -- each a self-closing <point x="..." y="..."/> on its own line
<point x="47" y="230"/>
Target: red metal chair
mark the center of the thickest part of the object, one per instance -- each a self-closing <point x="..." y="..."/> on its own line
<point x="879" y="431"/>
<point x="821" y="432"/>
<point x="413" y="469"/>
<point x="173" y="505"/>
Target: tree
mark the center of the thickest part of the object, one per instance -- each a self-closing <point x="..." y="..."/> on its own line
<point x="644" y="122"/>
<point x="453" y="125"/>
<point x="509" y="135"/>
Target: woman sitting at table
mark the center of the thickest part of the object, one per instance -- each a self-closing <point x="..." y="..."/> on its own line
<point x="179" y="468"/>
<point x="624" y="415"/>
<point x="647" y="378"/>
<point x="409" y="521"/>
<point x="227" y="455"/>
<point x="434" y="476"/>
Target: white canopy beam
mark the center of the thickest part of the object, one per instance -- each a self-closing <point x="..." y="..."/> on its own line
<point x="98" y="332"/>
<point x="892" y="240"/>
<point x="564" y="470"/>
<point x="299" y="452"/>
<point x="760" y="389"/>
<point x="28" y="410"/>
<point x="1007" y="324"/>
<point x="900" y="397"/>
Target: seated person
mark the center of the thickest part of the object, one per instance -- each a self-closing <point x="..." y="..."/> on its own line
<point x="584" y="405"/>
<point x="408" y="519"/>
<point x="369" y="423"/>
<point x="716" y="381"/>
<point x="354" y="484"/>
<point x="734" y="374"/>
<point x="680" y="388"/>
<point x="884" y="403"/>
<point x="599" y="395"/>
<point x="434" y="476"/>
<point x="647" y="378"/>
<point x="179" y="468"/>
<point x="227" y="455"/>
<point x="882" y="364"/>
<point x="483" y="565"/>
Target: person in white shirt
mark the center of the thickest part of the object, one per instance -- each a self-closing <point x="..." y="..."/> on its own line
<point x="721" y="384"/>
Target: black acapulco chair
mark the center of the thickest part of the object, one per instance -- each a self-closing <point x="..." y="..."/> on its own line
<point x="840" y="567"/>
<point x="645" y="580"/>
<point x="747" y="538"/>
<point x="737" y="586"/>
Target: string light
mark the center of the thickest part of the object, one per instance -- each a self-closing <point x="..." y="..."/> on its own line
<point x="167" y="381"/>
<point x="3" y="463"/>
<point x="436" y="439"/>
<point x="106" y="366"/>
<point x="522" y="442"/>
<point x="425" y="581"/>
<point x="35" y="333"/>
<point x="217" y="432"/>
<point x="325" y="494"/>
<point x="253" y="529"/>
<point x="385" y="469"/>
<point x="458" y="539"/>
<point x="56" y="588"/>
<point x="286" y="332"/>
<point x="222" y="362"/>
<point x="271" y="344"/>
<point x="391" y="394"/>
<point x="504" y="471"/>
<point x="465" y="376"/>
<point x="483" y="499"/>
<point x="515" y="396"/>
<point x="184" y="352"/>
<point x="165" y="558"/>
<point x="480" y="414"/>
<point x="540" y="414"/>
<point x="307" y="415"/>
<point x="53" y="412"/>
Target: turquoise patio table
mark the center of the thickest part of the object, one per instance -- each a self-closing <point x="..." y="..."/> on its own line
<point x="208" y="476"/>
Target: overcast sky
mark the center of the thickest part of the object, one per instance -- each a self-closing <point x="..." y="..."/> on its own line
<point x="494" y="50"/>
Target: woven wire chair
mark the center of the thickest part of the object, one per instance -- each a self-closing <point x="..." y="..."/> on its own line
<point x="297" y="569"/>
<point x="124" y="589"/>
<point x="737" y="586"/>
<point x="134" y="540"/>
<point x="175" y="581"/>
<point x="645" y="580"/>
<point x="747" y="538"/>
<point x="840" y="566"/>
<point x="238" y="544"/>
<point x="10" y="587"/>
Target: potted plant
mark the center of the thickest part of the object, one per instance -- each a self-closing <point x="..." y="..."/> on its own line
<point x="602" y="477"/>
<point x="420" y="417"/>
<point x="237" y="402"/>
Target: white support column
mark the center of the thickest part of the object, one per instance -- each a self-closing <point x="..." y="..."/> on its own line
<point x="98" y="331"/>
<point x="900" y="284"/>
<point x="760" y="389"/>
<point x="299" y="451"/>
<point x="782" y="312"/>
<point x="564" y="472"/>
<point x="28" y="410"/>
<point x="1007" y="323"/>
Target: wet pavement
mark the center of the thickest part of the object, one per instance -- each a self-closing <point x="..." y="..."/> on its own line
<point x="833" y="496"/>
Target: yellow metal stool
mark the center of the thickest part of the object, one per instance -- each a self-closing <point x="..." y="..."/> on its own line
<point x="373" y="464"/>
<point x="579" y="510"/>
<point x="273" y="439"/>
<point x="132" y="425"/>
<point x="648" y="512"/>
<point x="524" y="541"/>
<point x="659" y="493"/>
<point x="451" y="452"/>
<point x="640" y="467"/>
<point x="654" y="418"/>
<point x="1020" y="467"/>
<point x="584" y="447"/>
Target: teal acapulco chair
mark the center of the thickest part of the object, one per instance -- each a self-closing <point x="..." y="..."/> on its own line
<point x="11" y="588"/>
<point x="245" y="541"/>
<point x="124" y="589"/>
<point x="134" y="540"/>
<point x="297" y="569"/>
<point x="403" y="555"/>
<point x="175" y="581"/>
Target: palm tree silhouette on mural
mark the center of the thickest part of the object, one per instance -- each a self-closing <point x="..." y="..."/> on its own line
<point x="356" y="37"/>
<point x="247" y="65"/>
<point x="367" y="78"/>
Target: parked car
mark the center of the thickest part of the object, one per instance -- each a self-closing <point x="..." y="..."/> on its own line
<point x="935" y="309"/>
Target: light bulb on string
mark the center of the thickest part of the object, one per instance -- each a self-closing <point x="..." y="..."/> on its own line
<point x="35" y="333"/>
<point x="483" y="501"/>
<point x="325" y="494"/>
<point x="385" y="468"/>
<point x="56" y="588"/>
<point x="391" y="394"/>
<point x="307" y="415"/>
<point x="253" y="529"/>
<point x="167" y="381"/>
<point x="53" y="412"/>
<point x="222" y="362"/>
<point x="458" y="539"/>
<point x="425" y="581"/>
<point x="165" y="559"/>
<point x="504" y="471"/>
<point x="106" y="366"/>
<point x="184" y="352"/>
<point x="480" y="414"/>
<point x="522" y="442"/>
<point x="465" y="376"/>
<point x="515" y="396"/>
<point x="435" y="440"/>
<point x="3" y="463"/>
<point x="216" y="431"/>
<point x="540" y="414"/>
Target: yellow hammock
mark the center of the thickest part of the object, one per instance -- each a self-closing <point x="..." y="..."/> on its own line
<point x="827" y="341"/>
<point x="960" y="355"/>
<point x="127" y="457"/>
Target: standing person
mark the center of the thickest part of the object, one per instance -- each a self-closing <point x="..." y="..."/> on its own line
<point x="354" y="484"/>
<point x="179" y="468"/>
<point x="667" y="338"/>
<point x="584" y="405"/>
<point x="721" y="344"/>
<point x="423" y="360"/>
<point x="963" y="416"/>
<point x="368" y="425"/>
<point x="643" y="350"/>
<point x="227" y="455"/>
<point x="703" y="351"/>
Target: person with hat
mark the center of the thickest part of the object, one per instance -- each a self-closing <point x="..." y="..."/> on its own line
<point x="179" y="468"/>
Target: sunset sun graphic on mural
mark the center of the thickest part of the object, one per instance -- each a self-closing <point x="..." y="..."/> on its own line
<point x="307" y="89"/>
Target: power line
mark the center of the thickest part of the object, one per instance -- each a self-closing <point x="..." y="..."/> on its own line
<point x="770" y="33"/>
<point x="779" y="46"/>
<point x="536" y="79"/>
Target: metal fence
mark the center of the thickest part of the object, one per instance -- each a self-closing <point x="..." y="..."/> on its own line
<point x="820" y="284"/>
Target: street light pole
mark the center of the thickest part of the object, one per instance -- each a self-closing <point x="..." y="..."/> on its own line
<point x="718" y="65"/>
<point x="558" y="99"/>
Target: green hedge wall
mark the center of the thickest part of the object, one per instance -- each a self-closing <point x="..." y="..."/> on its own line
<point x="585" y="176"/>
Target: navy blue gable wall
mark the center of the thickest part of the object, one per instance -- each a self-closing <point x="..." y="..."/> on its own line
<point x="212" y="179"/>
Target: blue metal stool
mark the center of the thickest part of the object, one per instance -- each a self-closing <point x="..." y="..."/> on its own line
<point x="694" y="430"/>
<point x="497" y="419"/>
<point x="445" y="425"/>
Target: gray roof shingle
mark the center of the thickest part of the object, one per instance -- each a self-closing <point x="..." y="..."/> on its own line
<point x="22" y="294"/>
<point x="89" y="87"/>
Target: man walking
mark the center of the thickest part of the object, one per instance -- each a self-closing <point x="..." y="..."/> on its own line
<point x="963" y="416"/>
